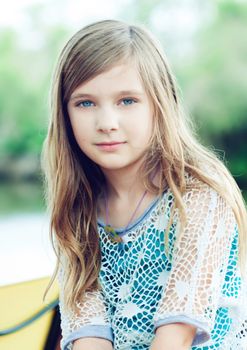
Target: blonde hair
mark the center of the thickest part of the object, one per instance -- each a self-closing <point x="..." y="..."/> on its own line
<point x="73" y="179"/>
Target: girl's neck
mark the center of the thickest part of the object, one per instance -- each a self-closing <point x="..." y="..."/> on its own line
<point x="124" y="191"/>
<point x="123" y="183"/>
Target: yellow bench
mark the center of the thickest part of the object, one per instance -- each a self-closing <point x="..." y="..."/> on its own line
<point x="26" y="322"/>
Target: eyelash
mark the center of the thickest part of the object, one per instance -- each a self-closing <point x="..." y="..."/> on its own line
<point x="80" y="103"/>
<point x="129" y="99"/>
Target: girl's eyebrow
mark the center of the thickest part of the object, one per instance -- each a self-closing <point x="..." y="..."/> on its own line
<point x="122" y="93"/>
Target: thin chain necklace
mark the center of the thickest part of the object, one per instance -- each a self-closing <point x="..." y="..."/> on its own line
<point x="114" y="237"/>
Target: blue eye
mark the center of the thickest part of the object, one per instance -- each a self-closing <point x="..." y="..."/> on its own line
<point x="85" y="104"/>
<point x="128" y="101"/>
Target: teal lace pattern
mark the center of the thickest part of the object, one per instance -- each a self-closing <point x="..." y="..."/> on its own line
<point x="194" y="279"/>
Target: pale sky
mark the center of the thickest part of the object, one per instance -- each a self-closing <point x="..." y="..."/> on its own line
<point x="73" y="11"/>
<point x="178" y="20"/>
<point x="173" y="15"/>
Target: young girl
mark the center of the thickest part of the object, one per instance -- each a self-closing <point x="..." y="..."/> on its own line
<point x="149" y="227"/>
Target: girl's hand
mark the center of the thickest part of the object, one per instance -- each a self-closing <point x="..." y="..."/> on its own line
<point x="175" y="336"/>
<point x="88" y="343"/>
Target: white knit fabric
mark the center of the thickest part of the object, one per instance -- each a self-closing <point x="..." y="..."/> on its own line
<point x="143" y="286"/>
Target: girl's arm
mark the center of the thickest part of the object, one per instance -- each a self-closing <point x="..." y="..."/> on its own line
<point x="176" y="336"/>
<point x="87" y="326"/>
<point x="200" y="258"/>
<point x="92" y="344"/>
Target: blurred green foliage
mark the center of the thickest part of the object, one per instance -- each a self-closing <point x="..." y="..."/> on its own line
<point x="24" y="86"/>
<point x="19" y="197"/>
<point x="215" y="78"/>
<point x="214" y="85"/>
<point x="212" y="77"/>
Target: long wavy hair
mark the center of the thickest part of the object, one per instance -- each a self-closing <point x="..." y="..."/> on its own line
<point x="73" y="181"/>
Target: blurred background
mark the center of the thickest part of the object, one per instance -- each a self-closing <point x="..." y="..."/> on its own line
<point x="205" y="42"/>
<point x="206" y="45"/>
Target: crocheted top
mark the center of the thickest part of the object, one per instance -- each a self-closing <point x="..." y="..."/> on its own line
<point x="194" y="280"/>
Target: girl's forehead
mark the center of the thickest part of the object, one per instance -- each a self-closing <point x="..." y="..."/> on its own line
<point x="123" y="76"/>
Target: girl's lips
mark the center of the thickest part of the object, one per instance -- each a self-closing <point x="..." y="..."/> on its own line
<point x="108" y="143"/>
<point x="110" y="146"/>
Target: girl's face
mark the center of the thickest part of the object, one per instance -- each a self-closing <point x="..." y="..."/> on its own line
<point x="111" y="117"/>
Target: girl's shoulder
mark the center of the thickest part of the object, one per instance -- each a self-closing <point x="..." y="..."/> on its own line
<point x="202" y="200"/>
<point x="198" y="188"/>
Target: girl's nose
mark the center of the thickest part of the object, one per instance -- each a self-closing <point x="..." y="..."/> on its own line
<point x="107" y="120"/>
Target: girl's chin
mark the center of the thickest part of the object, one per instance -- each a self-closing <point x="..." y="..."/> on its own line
<point x="118" y="167"/>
